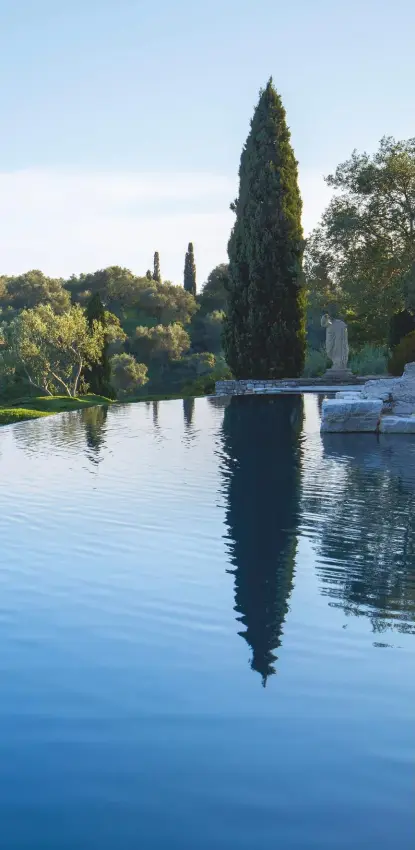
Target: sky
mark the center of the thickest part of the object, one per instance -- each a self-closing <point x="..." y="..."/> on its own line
<point x="123" y="121"/>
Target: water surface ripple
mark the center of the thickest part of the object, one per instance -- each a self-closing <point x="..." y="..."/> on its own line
<point x="207" y="617"/>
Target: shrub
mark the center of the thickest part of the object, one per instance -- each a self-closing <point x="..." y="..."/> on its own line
<point x="403" y="353"/>
<point x="127" y="376"/>
<point x="316" y="363"/>
<point x="370" y="360"/>
<point x="400" y="325"/>
<point x="205" y="383"/>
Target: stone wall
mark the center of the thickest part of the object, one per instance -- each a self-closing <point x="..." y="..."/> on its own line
<point x="268" y="387"/>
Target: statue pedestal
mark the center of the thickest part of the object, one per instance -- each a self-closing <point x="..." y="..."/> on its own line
<point x="338" y="376"/>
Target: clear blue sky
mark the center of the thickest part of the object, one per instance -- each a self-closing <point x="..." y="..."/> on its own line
<point x="98" y="96"/>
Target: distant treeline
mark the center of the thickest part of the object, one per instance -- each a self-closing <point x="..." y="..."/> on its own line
<point x="167" y="329"/>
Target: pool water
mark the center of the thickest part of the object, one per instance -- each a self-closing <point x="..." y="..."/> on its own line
<point x="207" y="618"/>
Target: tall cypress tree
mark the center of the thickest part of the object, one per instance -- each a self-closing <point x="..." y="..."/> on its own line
<point x="190" y="271"/>
<point x="264" y="334"/>
<point x="157" y="272"/>
<point x="98" y="376"/>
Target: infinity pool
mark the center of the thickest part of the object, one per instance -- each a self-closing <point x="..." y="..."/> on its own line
<point x="207" y="618"/>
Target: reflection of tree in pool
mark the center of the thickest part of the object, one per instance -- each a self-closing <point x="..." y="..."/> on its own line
<point x="219" y="401"/>
<point x="262" y="488"/>
<point x="367" y="536"/>
<point x="188" y="411"/>
<point x="320" y="399"/>
<point x="61" y="431"/>
<point x="94" y="420"/>
<point x="66" y="430"/>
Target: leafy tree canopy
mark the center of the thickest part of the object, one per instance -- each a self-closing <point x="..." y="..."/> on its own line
<point x="127" y="376"/>
<point x="120" y="290"/>
<point x="161" y="343"/>
<point x="213" y="295"/>
<point x="361" y="259"/>
<point x="51" y="349"/>
<point x="98" y="375"/>
<point x="32" y="288"/>
<point x="207" y="331"/>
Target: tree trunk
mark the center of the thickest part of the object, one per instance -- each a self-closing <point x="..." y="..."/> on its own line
<point x="33" y="384"/>
<point x="62" y="383"/>
<point x="76" y="381"/>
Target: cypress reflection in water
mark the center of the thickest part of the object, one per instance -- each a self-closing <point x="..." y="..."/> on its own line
<point x="261" y="442"/>
<point x="94" y="420"/>
<point x="188" y="411"/>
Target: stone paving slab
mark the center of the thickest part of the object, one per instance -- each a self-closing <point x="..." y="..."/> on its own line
<point x="354" y="415"/>
<point x="397" y="425"/>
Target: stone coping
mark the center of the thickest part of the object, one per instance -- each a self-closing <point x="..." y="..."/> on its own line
<point x="296" y="385"/>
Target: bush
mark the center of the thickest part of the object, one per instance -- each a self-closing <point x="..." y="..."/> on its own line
<point x="127" y="376"/>
<point x="403" y="353"/>
<point x="316" y="363"/>
<point x="201" y="386"/>
<point x="205" y="383"/>
<point x="370" y="360"/>
<point x="400" y="325"/>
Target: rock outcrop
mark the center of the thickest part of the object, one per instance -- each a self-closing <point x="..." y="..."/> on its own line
<point x="354" y="415"/>
<point x="393" y="398"/>
<point x="398" y="393"/>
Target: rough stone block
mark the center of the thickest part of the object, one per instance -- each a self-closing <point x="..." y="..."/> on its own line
<point x="355" y="415"/>
<point x="402" y="408"/>
<point x="382" y="388"/>
<point x="349" y="394"/>
<point x="399" y="392"/>
<point x="397" y="425"/>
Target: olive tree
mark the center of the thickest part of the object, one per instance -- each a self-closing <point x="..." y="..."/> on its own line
<point x="32" y="288"/>
<point x="51" y="350"/>
<point x="161" y="343"/>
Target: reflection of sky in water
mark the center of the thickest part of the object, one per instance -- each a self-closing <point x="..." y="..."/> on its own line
<point x="158" y="562"/>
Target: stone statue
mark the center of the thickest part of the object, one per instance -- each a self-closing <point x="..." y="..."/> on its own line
<point x="337" y="345"/>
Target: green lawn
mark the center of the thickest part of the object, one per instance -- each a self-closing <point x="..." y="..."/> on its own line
<point x="8" y="415"/>
<point x="33" y="408"/>
<point x="59" y="403"/>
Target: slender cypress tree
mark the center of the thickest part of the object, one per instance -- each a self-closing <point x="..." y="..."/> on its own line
<point x="264" y="334"/>
<point x="157" y="272"/>
<point x="190" y="271"/>
<point x="98" y="376"/>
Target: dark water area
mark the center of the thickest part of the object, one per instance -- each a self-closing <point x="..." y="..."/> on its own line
<point x="207" y="630"/>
